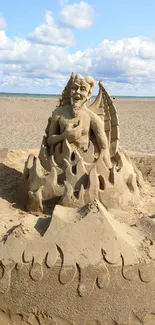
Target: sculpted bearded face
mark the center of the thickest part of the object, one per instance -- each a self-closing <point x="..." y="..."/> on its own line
<point x="81" y="90"/>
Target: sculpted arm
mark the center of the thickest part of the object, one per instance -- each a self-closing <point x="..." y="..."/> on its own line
<point x="97" y="127"/>
<point x="53" y="137"/>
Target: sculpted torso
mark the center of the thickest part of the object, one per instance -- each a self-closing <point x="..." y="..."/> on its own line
<point x="75" y="121"/>
<point x="65" y="126"/>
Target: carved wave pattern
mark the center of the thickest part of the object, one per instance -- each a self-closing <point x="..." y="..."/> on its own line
<point x="88" y="277"/>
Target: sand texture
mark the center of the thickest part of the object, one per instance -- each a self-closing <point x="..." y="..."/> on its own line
<point x="23" y="126"/>
<point x="23" y="121"/>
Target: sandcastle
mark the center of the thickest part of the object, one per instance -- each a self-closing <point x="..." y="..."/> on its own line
<point x="84" y="266"/>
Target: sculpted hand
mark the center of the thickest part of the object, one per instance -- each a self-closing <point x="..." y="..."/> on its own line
<point x="72" y="134"/>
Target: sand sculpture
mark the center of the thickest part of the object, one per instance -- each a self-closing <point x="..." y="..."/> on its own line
<point x="82" y="266"/>
<point x="80" y="157"/>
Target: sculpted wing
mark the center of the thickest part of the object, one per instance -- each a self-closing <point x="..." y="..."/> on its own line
<point x="65" y="97"/>
<point x="104" y="107"/>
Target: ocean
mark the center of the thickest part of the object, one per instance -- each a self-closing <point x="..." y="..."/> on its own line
<point x="29" y="95"/>
<point x="26" y="95"/>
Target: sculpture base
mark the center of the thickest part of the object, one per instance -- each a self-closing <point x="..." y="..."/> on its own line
<point x="63" y="277"/>
<point x="80" y="266"/>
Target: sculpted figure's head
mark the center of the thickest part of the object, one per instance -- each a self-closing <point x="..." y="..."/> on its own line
<point x="81" y="90"/>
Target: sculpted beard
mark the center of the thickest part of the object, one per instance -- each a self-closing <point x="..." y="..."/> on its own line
<point x="76" y="106"/>
<point x="75" y="109"/>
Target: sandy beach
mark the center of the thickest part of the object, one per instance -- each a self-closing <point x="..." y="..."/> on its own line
<point x="23" y="121"/>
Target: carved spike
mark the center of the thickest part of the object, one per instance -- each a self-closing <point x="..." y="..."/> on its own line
<point x="62" y="150"/>
<point x="101" y="167"/>
<point x="67" y="198"/>
<point x="53" y="177"/>
<point x="88" y="156"/>
<point x="30" y="161"/>
<point x="68" y="166"/>
<point x="77" y="155"/>
<point x="54" y="164"/>
<point x="34" y="202"/>
<point x="81" y="168"/>
<point x="81" y="196"/>
<point x="66" y="149"/>
<point x="114" y="148"/>
<point x="43" y="155"/>
<point x="36" y="176"/>
<point x="51" y="188"/>
<point x="68" y="189"/>
<point x="80" y="174"/>
<point x="94" y="184"/>
<point x="71" y="178"/>
<point x="38" y="169"/>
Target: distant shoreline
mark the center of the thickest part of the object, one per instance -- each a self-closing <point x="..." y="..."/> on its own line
<point x="27" y="95"/>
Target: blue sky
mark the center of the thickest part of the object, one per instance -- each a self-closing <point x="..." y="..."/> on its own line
<point x="43" y="41"/>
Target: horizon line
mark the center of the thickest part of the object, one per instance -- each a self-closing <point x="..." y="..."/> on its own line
<point x="58" y="95"/>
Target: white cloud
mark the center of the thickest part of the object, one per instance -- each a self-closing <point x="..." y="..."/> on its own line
<point x="51" y="34"/>
<point x="5" y="42"/>
<point x="49" y="18"/>
<point x="3" y="24"/>
<point x="126" y="65"/>
<point x="77" y="15"/>
<point x="124" y="60"/>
